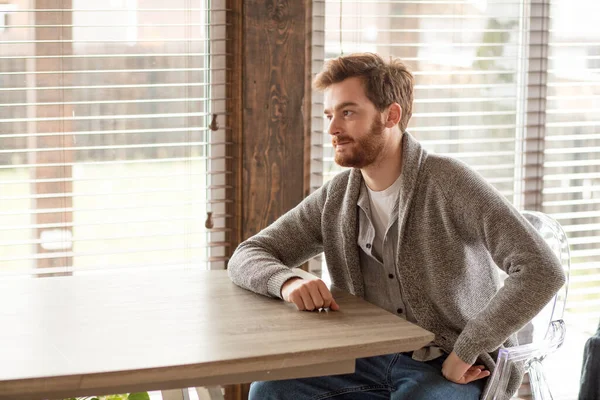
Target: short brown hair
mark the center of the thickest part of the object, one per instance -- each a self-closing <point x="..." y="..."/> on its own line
<point x="384" y="82"/>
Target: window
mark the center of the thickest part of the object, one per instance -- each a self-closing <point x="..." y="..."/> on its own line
<point x="510" y="87"/>
<point x="465" y="58"/>
<point x="113" y="136"/>
<point x="571" y="173"/>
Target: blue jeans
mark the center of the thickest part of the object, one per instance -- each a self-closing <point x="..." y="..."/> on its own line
<point x="391" y="377"/>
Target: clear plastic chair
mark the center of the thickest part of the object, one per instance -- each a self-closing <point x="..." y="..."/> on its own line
<point x="545" y="333"/>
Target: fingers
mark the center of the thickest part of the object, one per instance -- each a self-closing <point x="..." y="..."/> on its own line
<point x="457" y="371"/>
<point x="334" y="306"/>
<point x="315" y="296"/>
<point x="454" y="369"/>
<point x="472" y="373"/>
<point x="307" y="298"/>
<point x="297" y="300"/>
<point x="311" y="295"/>
<point x="328" y="300"/>
<point x="475" y="374"/>
<point x="325" y="294"/>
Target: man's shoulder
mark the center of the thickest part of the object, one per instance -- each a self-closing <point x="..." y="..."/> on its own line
<point x="447" y="169"/>
<point x="455" y="179"/>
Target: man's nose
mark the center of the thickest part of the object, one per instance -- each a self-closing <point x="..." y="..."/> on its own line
<point x="333" y="128"/>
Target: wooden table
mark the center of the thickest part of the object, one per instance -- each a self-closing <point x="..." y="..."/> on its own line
<point x="148" y="330"/>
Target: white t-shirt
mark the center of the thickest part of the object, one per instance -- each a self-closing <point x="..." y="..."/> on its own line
<point x="382" y="205"/>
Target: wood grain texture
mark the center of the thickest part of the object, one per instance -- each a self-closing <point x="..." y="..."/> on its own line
<point x="235" y="120"/>
<point x="273" y="97"/>
<point x="235" y="117"/>
<point x="307" y="106"/>
<point x="117" y="332"/>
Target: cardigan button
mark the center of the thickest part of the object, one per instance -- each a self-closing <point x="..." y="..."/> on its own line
<point x="400" y="311"/>
<point x="368" y="245"/>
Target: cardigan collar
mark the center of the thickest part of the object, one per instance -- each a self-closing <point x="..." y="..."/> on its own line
<point x="413" y="157"/>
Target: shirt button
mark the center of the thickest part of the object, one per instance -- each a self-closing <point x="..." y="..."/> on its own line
<point x="391" y="276"/>
<point x="368" y="245"/>
<point x="400" y="311"/>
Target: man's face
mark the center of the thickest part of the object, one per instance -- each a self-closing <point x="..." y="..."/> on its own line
<point x="355" y="125"/>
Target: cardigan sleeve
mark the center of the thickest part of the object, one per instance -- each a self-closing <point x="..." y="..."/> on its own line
<point x="263" y="262"/>
<point x="534" y="273"/>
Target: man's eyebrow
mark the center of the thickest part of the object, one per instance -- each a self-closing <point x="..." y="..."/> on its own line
<point x="342" y="105"/>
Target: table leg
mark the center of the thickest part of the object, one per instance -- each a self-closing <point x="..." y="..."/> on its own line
<point x="176" y="394"/>
<point x="210" y="393"/>
<point x="204" y="393"/>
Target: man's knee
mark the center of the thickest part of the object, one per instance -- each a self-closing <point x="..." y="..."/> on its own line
<point x="442" y="390"/>
<point x="455" y="391"/>
<point x="267" y="390"/>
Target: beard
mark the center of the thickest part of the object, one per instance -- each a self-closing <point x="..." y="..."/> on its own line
<point x="363" y="151"/>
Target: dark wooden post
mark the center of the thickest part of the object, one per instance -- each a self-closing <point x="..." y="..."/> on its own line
<point x="274" y="62"/>
<point x="275" y="121"/>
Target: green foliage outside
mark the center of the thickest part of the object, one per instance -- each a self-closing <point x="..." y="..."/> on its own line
<point x="498" y="35"/>
<point x="129" y="396"/>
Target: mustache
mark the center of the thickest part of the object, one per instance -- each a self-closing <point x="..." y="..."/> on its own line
<point x="340" y="139"/>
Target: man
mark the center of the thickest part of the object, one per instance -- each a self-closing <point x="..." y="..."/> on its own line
<point x="418" y="234"/>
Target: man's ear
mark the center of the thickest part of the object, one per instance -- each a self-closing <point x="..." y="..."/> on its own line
<point x="393" y="115"/>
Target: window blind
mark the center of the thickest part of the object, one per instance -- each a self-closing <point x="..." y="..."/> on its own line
<point x="465" y="59"/>
<point x="113" y="135"/>
<point x="571" y="191"/>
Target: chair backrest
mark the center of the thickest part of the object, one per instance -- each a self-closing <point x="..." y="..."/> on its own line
<point x="555" y="237"/>
<point x="546" y="332"/>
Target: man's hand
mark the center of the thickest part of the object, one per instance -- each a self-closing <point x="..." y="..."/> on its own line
<point x="458" y="371"/>
<point x="308" y="295"/>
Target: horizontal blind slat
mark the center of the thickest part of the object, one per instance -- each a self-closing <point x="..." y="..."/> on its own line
<point x="113" y="178"/>
<point x="125" y="221"/>
<point x="125" y="41"/>
<point x="113" y="162"/>
<point x="116" y="9"/>
<point x="95" y="194"/>
<point x="79" y="239"/>
<point x="109" y="56"/>
<point x="107" y="71"/>
<point x="115" y="147"/>
<point x="101" y="268"/>
<point x="141" y="205"/>
<point x="95" y="102"/>
<point x="123" y="86"/>
<point x="63" y="26"/>
<point x="191" y="128"/>
<point x="109" y="117"/>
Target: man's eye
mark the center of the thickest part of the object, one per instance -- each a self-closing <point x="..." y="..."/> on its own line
<point x="328" y="117"/>
<point x="347" y="113"/>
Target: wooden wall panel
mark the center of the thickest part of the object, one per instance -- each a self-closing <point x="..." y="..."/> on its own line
<point x="274" y="66"/>
<point x="272" y="57"/>
<point x="235" y="119"/>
